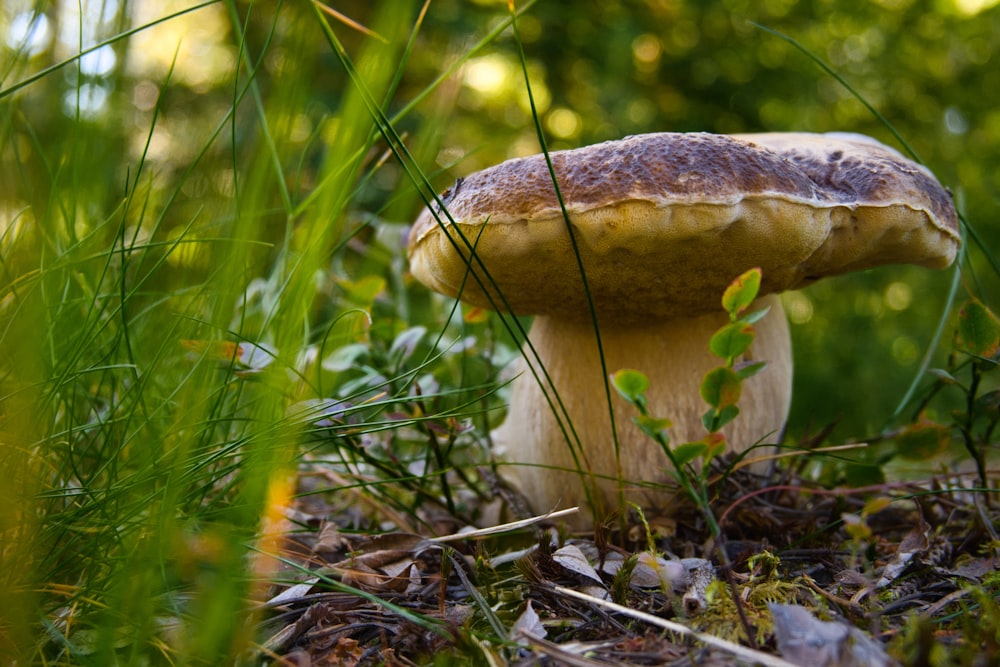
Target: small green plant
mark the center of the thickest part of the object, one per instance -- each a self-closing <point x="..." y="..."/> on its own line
<point x="720" y="388"/>
<point x="857" y="527"/>
<point x="977" y="344"/>
<point x="971" y="373"/>
<point x="969" y="637"/>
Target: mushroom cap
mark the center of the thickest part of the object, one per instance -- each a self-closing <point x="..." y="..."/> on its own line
<point x="664" y="221"/>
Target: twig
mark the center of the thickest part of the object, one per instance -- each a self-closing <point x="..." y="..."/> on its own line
<point x="560" y="653"/>
<point x="709" y="640"/>
<point x="932" y="610"/>
<point x="504" y="527"/>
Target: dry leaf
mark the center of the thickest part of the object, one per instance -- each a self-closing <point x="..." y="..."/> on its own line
<point x="528" y="623"/>
<point x="916" y="542"/>
<point x="670" y="575"/>
<point x="805" y="640"/>
<point x="572" y="558"/>
<point x="292" y="594"/>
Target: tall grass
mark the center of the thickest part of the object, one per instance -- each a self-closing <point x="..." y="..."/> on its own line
<point x="174" y="327"/>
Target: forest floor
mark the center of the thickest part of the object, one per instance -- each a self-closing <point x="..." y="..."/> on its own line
<point x="894" y="574"/>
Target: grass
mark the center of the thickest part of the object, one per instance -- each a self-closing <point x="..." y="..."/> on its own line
<point x="200" y="321"/>
<point x="166" y="354"/>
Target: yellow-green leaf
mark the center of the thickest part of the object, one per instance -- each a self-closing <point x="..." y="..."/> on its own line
<point x="876" y="504"/>
<point x="732" y="340"/>
<point x="978" y="330"/>
<point x="689" y="451"/>
<point x="741" y="292"/>
<point x="631" y="384"/>
<point x="721" y="387"/>
<point x="922" y="440"/>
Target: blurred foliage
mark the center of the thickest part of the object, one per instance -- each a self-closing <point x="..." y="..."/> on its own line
<point x="606" y="70"/>
<point x="598" y="70"/>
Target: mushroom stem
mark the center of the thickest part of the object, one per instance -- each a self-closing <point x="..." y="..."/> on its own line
<point x="674" y="355"/>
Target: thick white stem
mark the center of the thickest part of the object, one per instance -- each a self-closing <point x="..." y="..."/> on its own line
<point x="675" y="356"/>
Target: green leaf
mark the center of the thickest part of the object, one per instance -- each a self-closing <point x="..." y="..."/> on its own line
<point x="978" y="330"/>
<point x="346" y="357"/>
<point x="923" y="440"/>
<point x="855" y="526"/>
<point x="755" y="316"/>
<point x="362" y="292"/>
<point x="741" y="292"/>
<point x="716" y="442"/>
<point x="988" y="405"/>
<point x="732" y="340"/>
<point x="721" y="387"/>
<point x="689" y="451"/>
<point x="875" y="505"/>
<point x="404" y="344"/>
<point x="943" y="375"/>
<point x="749" y="369"/>
<point x="715" y="419"/>
<point x="654" y="427"/>
<point x="631" y="384"/>
<point x="863" y="474"/>
<point x="707" y="448"/>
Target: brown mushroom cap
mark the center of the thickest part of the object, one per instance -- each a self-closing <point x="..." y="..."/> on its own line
<point x="664" y="221"/>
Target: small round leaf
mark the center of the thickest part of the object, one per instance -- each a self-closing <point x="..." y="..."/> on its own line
<point x="689" y="451"/>
<point x="631" y="384"/>
<point x="721" y="387"/>
<point x="978" y="330"/>
<point x="714" y="419"/>
<point x="731" y="340"/>
<point x="741" y="292"/>
<point x="654" y="427"/>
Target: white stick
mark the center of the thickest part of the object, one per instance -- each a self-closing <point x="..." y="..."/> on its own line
<point x="730" y="647"/>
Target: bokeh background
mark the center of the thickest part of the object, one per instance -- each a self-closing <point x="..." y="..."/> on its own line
<point x="599" y="70"/>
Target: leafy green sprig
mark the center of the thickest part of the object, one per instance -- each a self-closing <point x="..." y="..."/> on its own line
<point x="720" y="388"/>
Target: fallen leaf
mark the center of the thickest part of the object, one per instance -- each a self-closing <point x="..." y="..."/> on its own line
<point x="916" y="542"/>
<point x="571" y="558"/>
<point x="805" y="640"/>
<point x="653" y="571"/>
<point x="528" y="623"/>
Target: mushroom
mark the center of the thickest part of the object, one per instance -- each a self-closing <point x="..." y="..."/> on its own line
<point x="662" y="223"/>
